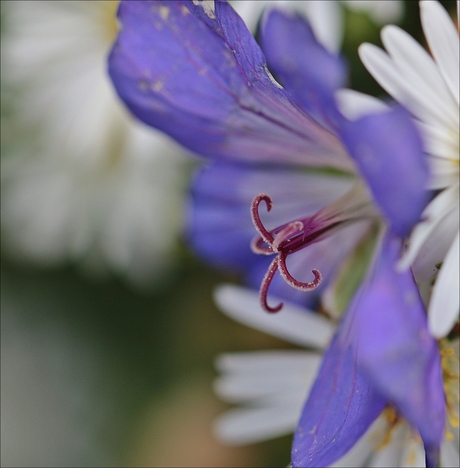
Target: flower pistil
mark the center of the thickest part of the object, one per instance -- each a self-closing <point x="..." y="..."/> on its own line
<point x="293" y="236"/>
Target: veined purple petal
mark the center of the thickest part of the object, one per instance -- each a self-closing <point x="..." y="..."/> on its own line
<point x="340" y="408"/>
<point x="382" y="353"/>
<point x="395" y="350"/>
<point x="198" y="75"/>
<point x="219" y="221"/>
<point x="302" y="65"/>
<point x="388" y="151"/>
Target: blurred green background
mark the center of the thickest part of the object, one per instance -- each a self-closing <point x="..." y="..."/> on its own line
<point x="98" y="373"/>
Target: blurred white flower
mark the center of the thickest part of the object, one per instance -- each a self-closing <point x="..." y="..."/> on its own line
<point x="381" y="11"/>
<point x="326" y="17"/>
<point x="271" y="387"/>
<point x="429" y="88"/>
<point x="81" y="180"/>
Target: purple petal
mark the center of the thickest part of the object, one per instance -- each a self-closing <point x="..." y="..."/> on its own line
<point x="340" y="408"/>
<point x="218" y="220"/>
<point x="388" y="151"/>
<point x="395" y="349"/>
<point x="203" y="80"/>
<point x="302" y="65"/>
<point x="382" y="353"/>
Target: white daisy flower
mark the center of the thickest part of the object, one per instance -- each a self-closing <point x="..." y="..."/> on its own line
<point x="81" y="180"/>
<point x="271" y="387"/>
<point x="429" y="87"/>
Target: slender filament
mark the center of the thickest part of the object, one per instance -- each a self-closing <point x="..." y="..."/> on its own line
<point x="265" y="285"/>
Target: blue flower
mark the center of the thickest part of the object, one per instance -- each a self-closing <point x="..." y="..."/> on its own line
<point x="193" y="70"/>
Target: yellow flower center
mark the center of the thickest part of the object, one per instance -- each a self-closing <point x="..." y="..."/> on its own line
<point x="450" y="366"/>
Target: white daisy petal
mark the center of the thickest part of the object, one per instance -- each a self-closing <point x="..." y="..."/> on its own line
<point x="326" y="21"/>
<point x="295" y="396"/>
<point x="397" y="451"/>
<point x="384" y="70"/>
<point x="244" y="426"/>
<point x="288" y="361"/>
<point x="413" y="454"/>
<point x="444" y="305"/>
<point x="436" y="245"/>
<point x="361" y="451"/>
<point x="410" y="58"/>
<point x="444" y="43"/>
<point x="353" y="104"/>
<point x="388" y="455"/>
<point x="441" y="175"/>
<point x="450" y="455"/>
<point x="438" y="142"/>
<point x="251" y="376"/>
<point x="293" y="323"/>
<point x="440" y="222"/>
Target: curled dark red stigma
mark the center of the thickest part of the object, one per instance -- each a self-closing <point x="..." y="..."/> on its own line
<point x="282" y="242"/>
<point x="264" y="287"/>
<point x="309" y="286"/>
<point x="266" y="236"/>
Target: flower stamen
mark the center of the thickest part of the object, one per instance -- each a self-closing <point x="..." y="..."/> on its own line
<point x="282" y="241"/>
<point x="309" y="286"/>
<point x="265" y="285"/>
<point x="286" y="233"/>
<point x="258" y="248"/>
<point x="266" y="236"/>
